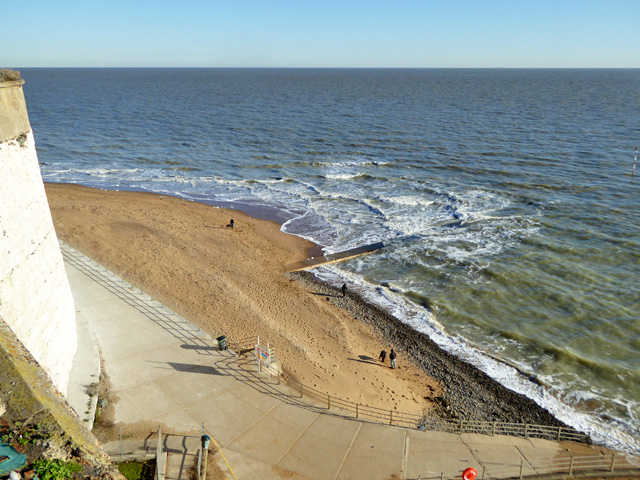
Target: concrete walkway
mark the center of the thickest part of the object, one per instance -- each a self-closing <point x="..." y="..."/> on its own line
<point x="166" y="371"/>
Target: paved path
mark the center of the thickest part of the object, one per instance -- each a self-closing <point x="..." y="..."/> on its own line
<point x="166" y="371"/>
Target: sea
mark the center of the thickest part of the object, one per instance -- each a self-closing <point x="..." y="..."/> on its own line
<point x="506" y="198"/>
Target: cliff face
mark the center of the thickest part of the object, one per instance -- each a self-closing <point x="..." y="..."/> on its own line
<point x="27" y="396"/>
<point x="35" y="297"/>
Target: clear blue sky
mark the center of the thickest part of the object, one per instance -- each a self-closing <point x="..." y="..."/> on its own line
<point x="322" y="33"/>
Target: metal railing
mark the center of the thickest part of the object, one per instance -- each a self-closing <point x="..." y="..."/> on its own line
<point x="572" y="466"/>
<point x="357" y="410"/>
<point x="525" y="430"/>
<point x="242" y="345"/>
<point x="423" y="422"/>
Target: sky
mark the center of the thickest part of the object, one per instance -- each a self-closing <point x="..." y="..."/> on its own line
<point x="322" y="33"/>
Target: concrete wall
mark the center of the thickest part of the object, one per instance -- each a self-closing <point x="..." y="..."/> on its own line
<point x="35" y="297"/>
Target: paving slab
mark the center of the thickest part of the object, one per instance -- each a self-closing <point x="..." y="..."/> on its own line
<point x="377" y="452"/>
<point x="473" y="438"/>
<point x="248" y="468"/>
<point x="294" y="416"/>
<point x="166" y="371"/>
<point x="434" y="436"/>
<point x="225" y="415"/>
<point x="268" y="440"/>
<point x="85" y="373"/>
<point x="133" y="342"/>
<point x="335" y="429"/>
<point x="428" y="456"/>
<point x="488" y="452"/>
<point x="141" y="403"/>
<point x="315" y="457"/>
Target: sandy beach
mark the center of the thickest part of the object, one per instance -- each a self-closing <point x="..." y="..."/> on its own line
<point x="230" y="282"/>
<point x="235" y="282"/>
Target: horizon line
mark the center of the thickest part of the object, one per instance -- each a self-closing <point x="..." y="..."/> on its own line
<point x="329" y="68"/>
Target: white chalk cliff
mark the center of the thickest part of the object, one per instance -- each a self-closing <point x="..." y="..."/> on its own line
<point x="35" y="297"/>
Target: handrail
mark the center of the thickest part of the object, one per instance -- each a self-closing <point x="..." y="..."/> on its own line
<point x="423" y="422"/>
<point x="525" y="430"/>
<point x="604" y="464"/>
<point x="358" y="410"/>
<point x="242" y="345"/>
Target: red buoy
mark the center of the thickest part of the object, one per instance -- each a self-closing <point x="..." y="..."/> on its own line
<point x="469" y="474"/>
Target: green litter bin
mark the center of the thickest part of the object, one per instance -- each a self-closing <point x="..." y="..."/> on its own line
<point x="222" y="342"/>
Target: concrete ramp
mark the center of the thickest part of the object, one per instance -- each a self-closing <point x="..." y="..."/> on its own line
<point x="340" y="256"/>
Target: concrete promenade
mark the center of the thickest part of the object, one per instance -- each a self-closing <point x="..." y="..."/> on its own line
<point x="166" y="371"/>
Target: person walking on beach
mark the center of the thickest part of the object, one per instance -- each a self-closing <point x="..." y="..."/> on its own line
<point x="344" y="289"/>
<point x="231" y="224"/>
<point x="383" y="356"/>
<point x="392" y="357"/>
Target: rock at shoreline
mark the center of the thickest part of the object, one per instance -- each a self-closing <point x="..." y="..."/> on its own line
<point x="470" y="394"/>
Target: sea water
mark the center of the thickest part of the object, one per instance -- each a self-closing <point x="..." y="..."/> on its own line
<point x="504" y="198"/>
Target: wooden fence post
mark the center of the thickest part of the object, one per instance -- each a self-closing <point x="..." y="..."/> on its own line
<point x="328" y="402"/>
<point x="357" y="405"/>
<point x="390" y="417"/>
<point x="613" y="461"/>
<point x="571" y="466"/>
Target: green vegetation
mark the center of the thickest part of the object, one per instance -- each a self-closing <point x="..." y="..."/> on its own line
<point x="7" y="75"/>
<point x="137" y="470"/>
<point x="131" y="470"/>
<point x="55" y="469"/>
<point x="23" y="434"/>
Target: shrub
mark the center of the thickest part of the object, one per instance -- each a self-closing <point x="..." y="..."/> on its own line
<point x="55" y="469"/>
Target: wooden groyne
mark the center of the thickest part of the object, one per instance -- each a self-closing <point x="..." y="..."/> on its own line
<point x="340" y="256"/>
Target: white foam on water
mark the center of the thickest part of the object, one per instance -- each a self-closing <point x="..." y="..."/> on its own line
<point x="423" y="321"/>
<point x="461" y="226"/>
<point x="353" y="163"/>
<point x="406" y="200"/>
<point x="342" y="176"/>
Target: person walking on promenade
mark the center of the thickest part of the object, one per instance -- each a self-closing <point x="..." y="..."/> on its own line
<point x="383" y="356"/>
<point x="392" y="357"/>
<point x="344" y="289"/>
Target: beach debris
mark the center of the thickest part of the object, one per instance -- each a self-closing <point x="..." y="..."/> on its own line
<point x="12" y="459"/>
